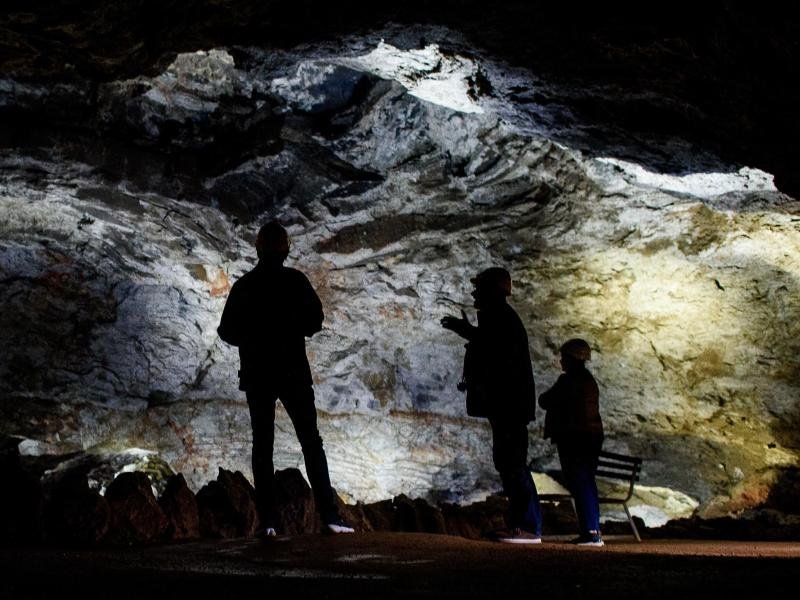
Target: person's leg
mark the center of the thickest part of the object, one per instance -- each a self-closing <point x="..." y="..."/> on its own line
<point x="510" y="454"/>
<point x="262" y="419"/>
<point x="299" y="403"/>
<point x="579" y="465"/>
<point x="593" y="447"/>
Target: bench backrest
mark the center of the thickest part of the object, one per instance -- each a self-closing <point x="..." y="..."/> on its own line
<point x="620" y="466"/>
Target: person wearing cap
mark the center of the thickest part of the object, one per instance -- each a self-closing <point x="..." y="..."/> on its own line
<point x="573" y="423"/>
<point x="499" y="380"/>
<point x="269" y="313"/>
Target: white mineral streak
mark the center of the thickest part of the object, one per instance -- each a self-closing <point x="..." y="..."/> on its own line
<point x="685" y="285"/>
<point x="426" y="73"/>
<point x="701" y="185"/>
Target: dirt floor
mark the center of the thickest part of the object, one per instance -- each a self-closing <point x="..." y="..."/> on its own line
<point x="405" y="565"/>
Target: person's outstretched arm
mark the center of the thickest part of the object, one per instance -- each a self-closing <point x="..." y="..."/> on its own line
<point x="460" y="326"/>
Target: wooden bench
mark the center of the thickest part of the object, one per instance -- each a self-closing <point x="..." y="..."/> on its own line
<point x="611" y="466"/>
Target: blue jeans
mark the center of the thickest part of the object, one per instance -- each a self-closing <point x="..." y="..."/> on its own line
<point x="298" y="400"/>
<point x="510" y="454"/>
<point x="579" y="464"/>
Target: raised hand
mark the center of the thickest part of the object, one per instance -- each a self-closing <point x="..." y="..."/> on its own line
<point x="460" y="326"/>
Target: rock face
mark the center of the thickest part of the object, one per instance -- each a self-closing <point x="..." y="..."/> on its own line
<point x="400" y="170"/>
<point x="227" y="507"/>
<point x="180" y="507"/>
<point x="136" y="516"/>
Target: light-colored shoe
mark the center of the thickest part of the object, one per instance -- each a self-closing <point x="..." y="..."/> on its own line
<point x="267" y="532"/>
<point x="592" y="540"/>
<point x="339" y="527"/>
<point x="517" y="536"/>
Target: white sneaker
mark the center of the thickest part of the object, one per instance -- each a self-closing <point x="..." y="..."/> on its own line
<point x="593" y="539"/>
<point x="267" y="532"/>
<point x="517" y="536"/>
<point x="339" y="527"/>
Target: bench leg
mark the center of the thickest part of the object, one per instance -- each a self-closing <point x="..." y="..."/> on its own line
<point x="630" y="520"/>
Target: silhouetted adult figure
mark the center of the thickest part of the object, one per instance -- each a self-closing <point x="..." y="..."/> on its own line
<point x="573" y="423"/>
<point x="269" y="313"/>
<point x="499" y="384"/>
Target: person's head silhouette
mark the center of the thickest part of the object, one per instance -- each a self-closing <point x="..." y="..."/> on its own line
<point x="574" y="354"/>
<point x="491" y="287"/>
<point x="272" y="243"/>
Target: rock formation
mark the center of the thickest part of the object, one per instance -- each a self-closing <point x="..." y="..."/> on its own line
<point x="136" y="516"/>
<point x="128" y="207"/>
<point x="180" y="507"/>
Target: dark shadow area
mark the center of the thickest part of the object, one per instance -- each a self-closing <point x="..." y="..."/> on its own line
<point x="396" y="566"/>
<point x="785" y="493"/>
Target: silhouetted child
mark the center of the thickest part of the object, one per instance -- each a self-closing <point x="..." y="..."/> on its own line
<point x="573" y="423"/>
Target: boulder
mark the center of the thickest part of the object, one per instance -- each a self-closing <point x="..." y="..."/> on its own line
<point x="227" y="507"/>
<point x="295" y="503"/>
<point x="379" y="515"/>
<point x="180" y="507"/>
<point x="353" y="514"/>
<point x="474" y="521"/>
<point x="417" y="516"/>
<point x="136" y="516"/>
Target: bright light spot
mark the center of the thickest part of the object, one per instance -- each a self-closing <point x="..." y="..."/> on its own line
<point x="426" y="73"/>
<point x="702" y="185"/>
<point x="654" y="505"/>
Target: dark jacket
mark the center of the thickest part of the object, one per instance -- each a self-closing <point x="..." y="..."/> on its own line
<point x="499" y="365"/>
<point x="573" y="407"/>
<point x="269" y="313"/>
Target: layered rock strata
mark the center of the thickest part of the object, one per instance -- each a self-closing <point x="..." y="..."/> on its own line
<point x="400" y="170"/>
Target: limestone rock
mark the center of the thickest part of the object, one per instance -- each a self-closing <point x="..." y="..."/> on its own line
<point x="363" y="517"/>
<point x="227" y="506"/>
<point x="379" y="516"/>
<point x="417" y="516"/>
<point x="136" y="516"/>
<point x="295" y="503"/>
<point x="476" y="520"/>
<point x="180" y="507"/>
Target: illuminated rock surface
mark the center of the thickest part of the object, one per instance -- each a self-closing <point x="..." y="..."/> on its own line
<point x="400" y="173"/>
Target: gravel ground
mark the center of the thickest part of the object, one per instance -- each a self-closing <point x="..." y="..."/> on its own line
<point x="394" y="565"/>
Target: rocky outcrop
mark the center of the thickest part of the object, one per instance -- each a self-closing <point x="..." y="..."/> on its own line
<point x="400" y="169"/>
<point x="180" y="507"/>
<point x="136" y="516"/>
<point x="227" y="507"/>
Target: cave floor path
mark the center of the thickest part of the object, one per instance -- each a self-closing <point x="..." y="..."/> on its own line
<point x="404" y="565"/>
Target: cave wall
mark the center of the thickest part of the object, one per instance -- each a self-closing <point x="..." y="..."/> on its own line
<point x="401" y="167"/>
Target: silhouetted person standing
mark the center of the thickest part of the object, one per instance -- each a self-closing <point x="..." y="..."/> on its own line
<point x="499" y="382"/>
<point x="269" y="313"/>
<point x="573" y="423"/>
